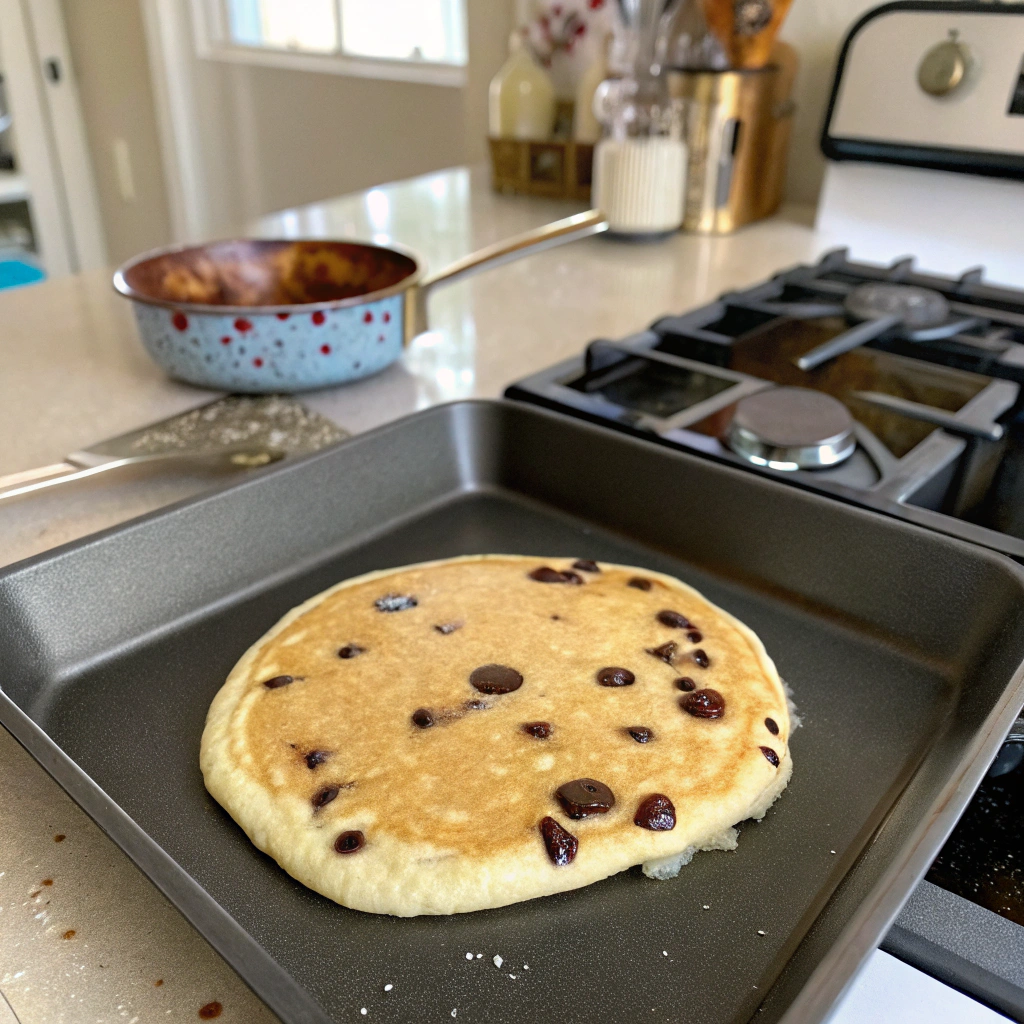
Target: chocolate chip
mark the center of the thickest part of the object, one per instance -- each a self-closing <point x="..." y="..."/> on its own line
<point x="423" y="718"/>
<point x="586" y="565"/>
<point x="322" y="797"/>
<point x="666" y="652"/>
<point x="538" y="730"/>
<point x="772" y="726"/>
<point x="672" y="619"/>
<point x="703" y="704"/>
<point x="656" y="813"/>
<point x="278" y="681"/>
<point x="545" y="574"/>
<point x="639" y="583"/>
<point x="700" y="658"/>
<point x="613" y="676"/>
<point x="640" y="733"/>
<point x="350" y="651"/>
<point x="694" y="636"/>
<point x="349" y="842"/>
<point x="395" y="603"/>
<point x="583" y="797"/>
<point x="773" y="758"/>
<point x="561" y="844"/>
<point x="448" y="627"/>
<point x="495" y="679"/>
<point x="685" y="683"/>
<point x="315" y="758"/>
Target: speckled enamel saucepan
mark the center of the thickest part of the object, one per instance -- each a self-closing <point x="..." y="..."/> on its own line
<point x="266" y="315"/>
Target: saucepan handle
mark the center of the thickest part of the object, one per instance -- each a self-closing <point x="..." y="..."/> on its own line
<point x="580" y="225"/>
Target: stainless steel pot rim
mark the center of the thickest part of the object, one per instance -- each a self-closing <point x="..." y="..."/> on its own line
<point x="122" y="287"/>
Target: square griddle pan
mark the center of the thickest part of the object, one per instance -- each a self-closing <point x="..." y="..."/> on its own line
<point x="904" y="650"/>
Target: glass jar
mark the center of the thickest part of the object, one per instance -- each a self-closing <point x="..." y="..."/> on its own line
<point x="640" y="161"/>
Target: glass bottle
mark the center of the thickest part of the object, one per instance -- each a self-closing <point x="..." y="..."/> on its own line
<point x="521" y="100"/>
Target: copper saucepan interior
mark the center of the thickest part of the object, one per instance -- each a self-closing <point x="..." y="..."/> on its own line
<point x="266" y="272"/>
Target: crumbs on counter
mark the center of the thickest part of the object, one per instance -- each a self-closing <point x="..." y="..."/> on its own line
<point x="59" y="837"/>
<point x="210" y="1010"/>
<point x="47" y="881"/>
<point x="69" y="934"/>
<point x="156" y="984"/>
<point x="498" y="961"/>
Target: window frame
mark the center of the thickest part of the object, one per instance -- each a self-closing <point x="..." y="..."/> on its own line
<point x="213" y="42"/>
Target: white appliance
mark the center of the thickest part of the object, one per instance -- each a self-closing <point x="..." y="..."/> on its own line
<point x="925" y="138"/>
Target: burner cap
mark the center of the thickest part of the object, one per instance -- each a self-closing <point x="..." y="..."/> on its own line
<point x="918" y="308"/>
<point x="792" y="428"/>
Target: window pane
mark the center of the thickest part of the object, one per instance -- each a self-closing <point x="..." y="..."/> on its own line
<point x="433" y="30"/>
<point x="309" y="25"/>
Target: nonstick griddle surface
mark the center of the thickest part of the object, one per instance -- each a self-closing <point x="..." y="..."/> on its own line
<point x="114" y="649"/>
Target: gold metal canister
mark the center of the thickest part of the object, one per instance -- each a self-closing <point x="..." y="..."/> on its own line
<point x="736" y="126"/>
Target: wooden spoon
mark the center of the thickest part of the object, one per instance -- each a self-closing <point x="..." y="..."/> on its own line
<point x="746" y="28"/>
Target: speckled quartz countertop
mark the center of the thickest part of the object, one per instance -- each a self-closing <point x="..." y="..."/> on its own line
<point x="84" y="937"/>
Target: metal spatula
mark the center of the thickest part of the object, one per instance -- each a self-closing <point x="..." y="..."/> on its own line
<point x="239" y="431"/>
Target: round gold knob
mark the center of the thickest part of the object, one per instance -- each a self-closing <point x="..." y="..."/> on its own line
<point x="944" y="67"/>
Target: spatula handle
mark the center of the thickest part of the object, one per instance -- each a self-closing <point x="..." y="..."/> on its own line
<point x="243" y="457"/>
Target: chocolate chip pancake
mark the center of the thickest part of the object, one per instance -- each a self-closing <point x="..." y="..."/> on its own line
<point x="473" y="732"/>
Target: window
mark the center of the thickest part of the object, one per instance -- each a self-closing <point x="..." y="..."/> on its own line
<point x="408" y="40"/>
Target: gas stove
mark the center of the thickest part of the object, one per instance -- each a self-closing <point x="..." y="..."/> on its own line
<point x="878" y="385"/>
<point x="886" y="387"/>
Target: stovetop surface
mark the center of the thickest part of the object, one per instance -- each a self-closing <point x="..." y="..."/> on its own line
<point x="983" y="860"/>
<point x="929" y="369"/>
<point x="931" y="380"/>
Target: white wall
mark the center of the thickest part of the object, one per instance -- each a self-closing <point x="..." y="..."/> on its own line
<point x="816" y="28"/>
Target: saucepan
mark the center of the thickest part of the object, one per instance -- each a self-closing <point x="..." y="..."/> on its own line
<point x="268" y="315"/>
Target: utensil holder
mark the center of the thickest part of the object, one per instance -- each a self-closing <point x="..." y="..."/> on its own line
<point x="737" y="126"/>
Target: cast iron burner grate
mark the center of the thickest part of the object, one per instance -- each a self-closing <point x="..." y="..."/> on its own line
<point x="928" y="368"/>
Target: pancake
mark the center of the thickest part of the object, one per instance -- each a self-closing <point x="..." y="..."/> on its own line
<point x="469" y="733"/>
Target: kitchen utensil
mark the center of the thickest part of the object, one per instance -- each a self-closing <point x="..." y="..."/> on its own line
<point x="746" y="28"/>
<point x="685" y="41"/>
<point x="236" y="432"/>
<point x="903" y="648"/>
<point x="265" y="315"/>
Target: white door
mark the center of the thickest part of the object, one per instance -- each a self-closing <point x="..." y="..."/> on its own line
<point x="50" y="136"/>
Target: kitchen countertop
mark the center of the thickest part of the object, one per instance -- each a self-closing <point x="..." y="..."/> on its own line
<point x="84" y="936"/>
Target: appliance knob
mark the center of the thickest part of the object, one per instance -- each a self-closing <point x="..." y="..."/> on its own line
<point x="944" y="67"/>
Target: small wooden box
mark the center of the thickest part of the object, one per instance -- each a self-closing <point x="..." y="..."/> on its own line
<point x="559" y="168"/>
